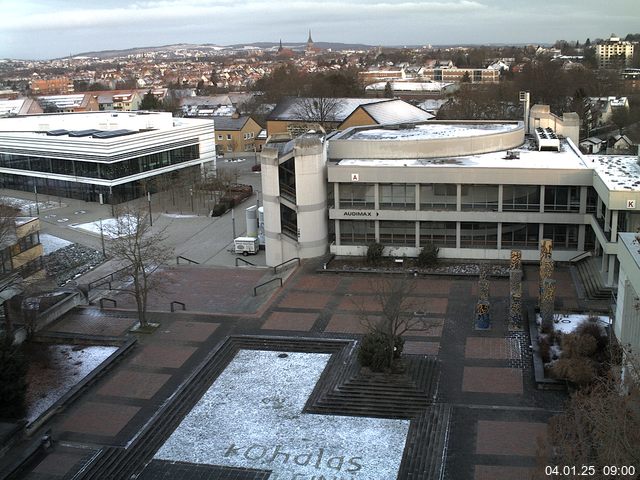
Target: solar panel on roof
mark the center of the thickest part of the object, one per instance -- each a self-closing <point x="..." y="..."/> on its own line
<point x="57" y="133"/>
<point x="113" y="133"/>
<point x="83" y="133"/>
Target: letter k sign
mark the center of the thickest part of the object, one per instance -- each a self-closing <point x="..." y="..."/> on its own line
<point x="252" y="417"/>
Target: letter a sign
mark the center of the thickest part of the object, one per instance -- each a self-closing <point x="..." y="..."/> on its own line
<point x="631" y="204"/>
<point x="355" y="177"/>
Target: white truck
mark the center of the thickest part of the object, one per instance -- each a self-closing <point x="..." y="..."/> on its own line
<point x="246" y="245"/>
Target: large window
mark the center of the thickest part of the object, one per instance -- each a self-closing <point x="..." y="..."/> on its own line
<point x="398" y="196"/>
<point x="524" y="235"/>
<point x="478" y="235"/>
<point x="441" y="234"/>
<point x="479" y="197"/>
<point x="592" y="200"/>
<point x="287" y="175"/>
<point x="438" y="196"/>
<point x="561" y="199"/>
<point x="565" y="237"/>
<point x="357" y="232"/>
<point x="356" y="195"/>
<point x="289" y="222"/>
<point x="398" y="233"/>
<point x="516" y="198"/>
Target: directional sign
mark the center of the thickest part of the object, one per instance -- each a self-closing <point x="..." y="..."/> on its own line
<point x="252" y="417"/>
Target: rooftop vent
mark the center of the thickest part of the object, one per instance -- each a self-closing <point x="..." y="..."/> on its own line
<point x="546" y="139"/>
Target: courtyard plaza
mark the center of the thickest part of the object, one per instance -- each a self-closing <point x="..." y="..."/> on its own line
<point x="498" y="416"/>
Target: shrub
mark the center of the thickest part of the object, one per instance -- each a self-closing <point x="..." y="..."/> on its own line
<point x="575" y="346"/>
<point x="594" y="330"/>
<point x="219" y="209"/>
<point x="545" y="349"/>
<point x="374" y="253"/>
<point x="428" y="255"/>
<point x="578" y="370"/>
<point x="13" y="380"/>
<point x="374" y="350"/>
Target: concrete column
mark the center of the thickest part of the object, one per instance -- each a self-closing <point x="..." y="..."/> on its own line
<point x="598" y="207"/>
<point x="458" y="234"/>
<point x="614" y="225"/>
<point x="541" y="201"/>
<point x="377" y="230"/>
<point x="458" y="197"/>
<point x="417" y="234"/>
<point x="605" y="260"/>
<point x="376" y="196"/>
<point x="499" y="244"/>
<point x="500" y="198"/>
<point x="336" y="195"/>
<point x="337" y="231"/>
<point x="583" y="200"/>
<point x="417" y="196"/>
<point x="581" y="236"/>
<point x="607" y="221"/>
<point x="540" y="232"/>
<point x="612" y="271"/>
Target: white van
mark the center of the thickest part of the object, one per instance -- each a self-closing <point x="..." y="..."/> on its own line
<point x="246" y="245"/>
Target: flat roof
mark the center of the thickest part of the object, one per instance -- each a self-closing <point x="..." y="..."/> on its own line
<point x="430" y="131"/>
<point x="529" y="157"/>
<point x="618" y="172"/>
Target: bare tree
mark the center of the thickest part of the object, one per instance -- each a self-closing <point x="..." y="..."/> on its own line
<point x="319" y="110"/>
<point x="143" y="250"/>
<point x="402" y="311"/>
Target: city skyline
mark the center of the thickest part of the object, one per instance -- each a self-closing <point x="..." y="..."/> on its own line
<point x="34" y="30"/>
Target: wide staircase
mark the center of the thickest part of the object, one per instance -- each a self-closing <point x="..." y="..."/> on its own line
<point x="589" y="273"/>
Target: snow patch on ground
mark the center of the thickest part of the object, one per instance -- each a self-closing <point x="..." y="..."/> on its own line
<point x="28" y="207"/>
<point x="252" y="417"/>
<point x="55" y="369"/>
<point x="110" y="227"/>
<point x="51" y="244"/>
<point x="178" y="215"/>
<point x="568" y="323"/>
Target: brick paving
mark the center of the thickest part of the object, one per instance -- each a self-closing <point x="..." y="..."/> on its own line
<point x="492" y="380"/>
<point x="492" y="435"/>
<point x="509" y="438"/>
<point x="301" y="322"/>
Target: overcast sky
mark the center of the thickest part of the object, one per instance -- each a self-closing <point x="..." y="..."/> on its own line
<point x="38" y="29"/>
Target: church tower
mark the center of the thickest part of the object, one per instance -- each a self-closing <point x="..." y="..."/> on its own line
<point x="310" y="49"/>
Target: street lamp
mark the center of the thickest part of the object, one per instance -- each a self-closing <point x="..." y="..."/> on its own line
<point x="104" y="253"/>
<point x="35" y="189"/>
<point x="150" y="215"/>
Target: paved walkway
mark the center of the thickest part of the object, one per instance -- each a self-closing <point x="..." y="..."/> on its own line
<point x="498" y="413"/>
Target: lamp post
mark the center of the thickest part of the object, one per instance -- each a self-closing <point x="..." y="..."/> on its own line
<point x="191" y="195"/>
<point x="149" y="202"/>
<point x="104" y="253"/>
<point x="233" y="223"/>
<point x="35" y="190"/>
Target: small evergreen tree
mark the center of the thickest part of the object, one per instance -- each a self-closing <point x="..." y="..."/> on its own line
<point x="374" y="253"/>
<point x="150" y="102"/>
<point x="388" y="90"/>
<point x="428" y="255"/>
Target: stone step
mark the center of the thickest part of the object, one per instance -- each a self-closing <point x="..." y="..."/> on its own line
<point x="592" y="280"/>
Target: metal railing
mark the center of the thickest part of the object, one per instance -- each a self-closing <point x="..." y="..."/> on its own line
<point x="107" y="278"/>
<point x="102" y="300"/>
<point x="255" y="289"/>
<point x="174" y="303"/>
<point x="187" y="259"/>
<point x="238" y="259"/>
<point x="580" y="256"/>
<point x="294" y="259"/>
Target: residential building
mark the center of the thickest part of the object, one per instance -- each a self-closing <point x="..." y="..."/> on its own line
<point x="120" y="100"/>
<point x="458" y="75"/>
<point x="102" y="156"/>
<point x="614" y="53"/>
<point x="475" y="189"/>
<point x="236" y="134"/>
<point x="52" y="86"/>
<point x="385" y="112"/>
<point x="410" y="90"/>
<point x="79" y="102"/>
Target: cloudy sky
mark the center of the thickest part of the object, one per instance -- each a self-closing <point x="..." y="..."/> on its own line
<point x="53" y="28"/>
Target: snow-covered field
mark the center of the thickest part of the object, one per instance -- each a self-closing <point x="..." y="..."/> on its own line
<point x="252" y="417"/>
<point x="55" y="369"/>
<point x="51" y="243"/>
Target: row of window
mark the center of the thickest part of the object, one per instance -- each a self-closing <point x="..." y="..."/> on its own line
<point x="105" y="171"/>
<point x="443" y="196"/>
<point x="443" y="234"/>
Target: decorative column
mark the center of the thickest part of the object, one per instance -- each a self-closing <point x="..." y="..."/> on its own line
<point x="547" y="302"/>
<point x="515" y="297"/>
<point x="483" y="318"/>
<point x="546" y="268"/>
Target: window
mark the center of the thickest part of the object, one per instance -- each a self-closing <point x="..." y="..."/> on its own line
<point x="398" y="196"/>
<point x="357" y="232"/>
<point x="479" y="197"/>
<point x="564" y="237"/>
<point x="520" y="235"/>
<point x="220" y="136"/>
<point x="398" y="233"/>
<point x="289" y="222"/>
<point x="478" y="235"/>
<point x="438" y="196"/>
<point x="592" y="200"/>
<point x="561" y="199"/>
<point x="517" y="198"/>
<point x="5" y="260"/>
<point x="357" y="195"/>
<point x="441" y="234"/>
<point x="228" y="136"/>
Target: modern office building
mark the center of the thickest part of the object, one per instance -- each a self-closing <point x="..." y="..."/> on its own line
<point x="614" y="53"/>
<point x="102" y="156"/>
<point x="475" y="189"/>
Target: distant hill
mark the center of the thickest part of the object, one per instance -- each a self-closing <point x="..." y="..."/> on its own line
<point x="213" y="48"/>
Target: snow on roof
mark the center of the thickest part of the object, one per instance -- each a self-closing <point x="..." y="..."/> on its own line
<point x="618" y="172"/>
<point x="409" y="86"/>
<point x="11" y="107"/>
<point x="529" y="157"/>
<point x="395" y="111"/>
<point x="431" y="131"/>
<point x="292" y="108"/>
<point x="64" y="101"/>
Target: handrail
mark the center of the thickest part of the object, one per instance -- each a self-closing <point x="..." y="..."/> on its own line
<point x="175" y="302"/>
<point x="255" y="289"/>
<point x="110" y="277"/>
<point x="102" y="300"/>
<point x="244" y="261"/>
<point x="580" y="256"/>
<point x="275" y="269"/>
<point x="187" y="259"/>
